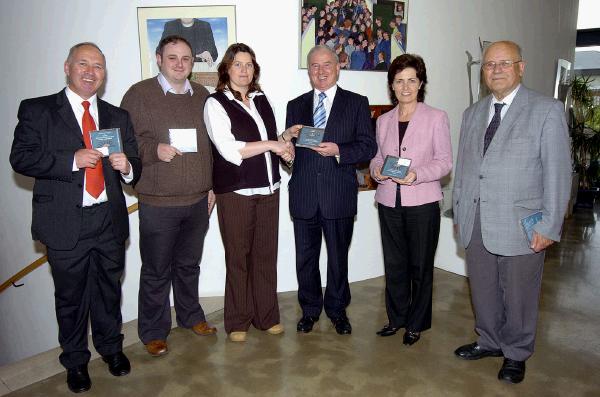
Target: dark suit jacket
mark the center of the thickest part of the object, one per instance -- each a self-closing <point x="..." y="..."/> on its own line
<point x="320" y="182"/>
<point x="200" y="36"/>
<point x="46" y="139"/>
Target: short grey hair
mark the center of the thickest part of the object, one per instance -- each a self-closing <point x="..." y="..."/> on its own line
<point x="318" y="48"/>
<point x="79" y="45"/>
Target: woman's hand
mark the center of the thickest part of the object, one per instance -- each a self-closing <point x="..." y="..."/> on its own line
<point x="291" y="132"/>
<point x="409" y="179"/>
<point x="378" y="177"/>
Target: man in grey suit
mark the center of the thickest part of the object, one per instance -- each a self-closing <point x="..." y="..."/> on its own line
<point x="513" y="161"/>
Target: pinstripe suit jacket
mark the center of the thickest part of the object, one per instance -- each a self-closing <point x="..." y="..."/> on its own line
<point x="321" y="183"/>
<point x="527" y="168"/>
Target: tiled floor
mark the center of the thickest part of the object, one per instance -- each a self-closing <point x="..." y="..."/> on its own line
<point x="322" y="363"/>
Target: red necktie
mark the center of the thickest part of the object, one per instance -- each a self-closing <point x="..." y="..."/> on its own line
<point x="94" y="179"/>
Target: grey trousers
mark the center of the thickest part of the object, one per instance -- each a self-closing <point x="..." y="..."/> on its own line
<point x="505" y="292"/>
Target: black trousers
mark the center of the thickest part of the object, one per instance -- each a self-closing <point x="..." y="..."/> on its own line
<point x="409" y="236"/>
<point x="338" y="235"/>
<point x="171" y="244"/>
<point x="87" y="284"/>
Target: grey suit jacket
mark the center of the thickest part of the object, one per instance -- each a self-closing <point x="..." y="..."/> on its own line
<point x="527" y="168"/>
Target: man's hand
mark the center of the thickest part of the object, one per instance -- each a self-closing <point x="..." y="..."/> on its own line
<point x="539" y="242"/>
<point x="167" y="152"/>
<point x="206" y="57"/>
<point x="211" y="201"/>
<point x="87" y="158"/>
<point x="280" y="148"/>
<point x="327" y="149"/>
<point x="120" y="163"/>
<point x="289" y="154"/>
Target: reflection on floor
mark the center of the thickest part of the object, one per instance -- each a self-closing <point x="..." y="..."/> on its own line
<point x="566" y="362"/>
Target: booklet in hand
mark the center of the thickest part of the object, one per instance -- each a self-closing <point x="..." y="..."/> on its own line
<point x="395" y="167"/>
<point x="184" y="139"/>
<point x="528" y="222"/>
<point x="310" y="137"/>
<point x="107" y="141"/>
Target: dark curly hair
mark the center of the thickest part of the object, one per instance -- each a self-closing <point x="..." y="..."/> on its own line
<point x="226" y="63"/>
<point x="407" y="61"/>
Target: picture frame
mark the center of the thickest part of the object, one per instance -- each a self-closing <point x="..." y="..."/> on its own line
<point x="196" y="24"/>
<point x="562" y="81"/>
<point x="367" y="35"/>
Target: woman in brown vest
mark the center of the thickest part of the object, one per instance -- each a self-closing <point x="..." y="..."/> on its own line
<point x="241" y="125"/>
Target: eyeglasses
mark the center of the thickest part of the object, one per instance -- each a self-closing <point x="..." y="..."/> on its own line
<point x="504" y="65"/>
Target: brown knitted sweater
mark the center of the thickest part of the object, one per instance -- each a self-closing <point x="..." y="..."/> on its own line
<point x="186" y="179"/>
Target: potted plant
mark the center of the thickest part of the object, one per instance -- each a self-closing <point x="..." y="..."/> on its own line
<point x="584" y="126"/>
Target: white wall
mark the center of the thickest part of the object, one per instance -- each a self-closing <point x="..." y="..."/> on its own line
<point x="36" y="38"/>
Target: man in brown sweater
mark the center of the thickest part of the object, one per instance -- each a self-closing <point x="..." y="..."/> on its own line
<point x="174" y="192"/>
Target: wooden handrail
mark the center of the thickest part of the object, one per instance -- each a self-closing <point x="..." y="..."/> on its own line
<point x="40" y="261"/>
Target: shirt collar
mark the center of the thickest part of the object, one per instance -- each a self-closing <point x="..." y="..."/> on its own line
<point x="76" y="100"/>
<point x="166" y="86"/>
<point x="230" y="96"/>
<point x="330" y="92"/>
<point x="507" y="100"/>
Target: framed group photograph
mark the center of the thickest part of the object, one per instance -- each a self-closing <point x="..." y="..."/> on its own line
<point x="209" y="29"/>
<point x="367" y="35"/>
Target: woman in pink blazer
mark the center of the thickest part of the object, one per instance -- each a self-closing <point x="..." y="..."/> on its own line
<point x="409" y="213"/>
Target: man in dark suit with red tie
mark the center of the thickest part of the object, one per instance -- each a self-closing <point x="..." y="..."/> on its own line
<point x="323" y="187"/>
<point x="79" y="210"/>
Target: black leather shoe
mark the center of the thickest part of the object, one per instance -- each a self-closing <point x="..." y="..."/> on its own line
<point x="512" y="371"/>
<point x="306" y="324"/>
<point x="387" y="330"/>
<point x="410" y="338"/>
<point x="473" y="351"/>
<point x="342" y="325"/>
<point x="118" y="364"/>
<point x="78" y="379"/>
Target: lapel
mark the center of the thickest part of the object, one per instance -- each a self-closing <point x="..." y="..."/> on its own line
<point x="480" y="123"/>
<point x="512" y="114"/>
<point x="104" y="115"/>
<point x="415" y="121"/>
<point x="307" y="108"/>
<point x="393" y="138"/>
<point x="66" y="113"/>
<point x="337" y="107"/>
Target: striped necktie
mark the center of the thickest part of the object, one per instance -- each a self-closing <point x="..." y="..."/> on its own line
<point x="319" y="116"/>
<point x="494" y="124"/>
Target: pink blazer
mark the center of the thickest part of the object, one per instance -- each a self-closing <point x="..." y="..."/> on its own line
<point x="426" y="142"/>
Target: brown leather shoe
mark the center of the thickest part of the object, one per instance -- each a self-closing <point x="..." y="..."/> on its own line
<point x="157" y="347"/>
<point x="204" y="329"/>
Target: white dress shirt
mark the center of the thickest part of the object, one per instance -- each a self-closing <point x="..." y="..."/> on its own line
<point x="327" y="102"/>
<point x="507" y="101"/>
<point x="167" y="87"/>
<point x="218" y="126"/>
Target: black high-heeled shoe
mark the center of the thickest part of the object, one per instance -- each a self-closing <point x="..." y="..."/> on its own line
<point x="410" y="338"/>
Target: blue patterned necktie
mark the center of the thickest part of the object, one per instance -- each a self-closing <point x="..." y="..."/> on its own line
<point x="319" y="115"/>
<point x="491" y="130"/>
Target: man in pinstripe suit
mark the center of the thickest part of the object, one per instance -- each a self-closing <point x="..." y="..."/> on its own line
<point x="323" y="187"/>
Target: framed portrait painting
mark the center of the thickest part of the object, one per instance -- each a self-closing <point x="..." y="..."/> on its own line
<point x="209" y="30"/>
<point x="367" y="35"/>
